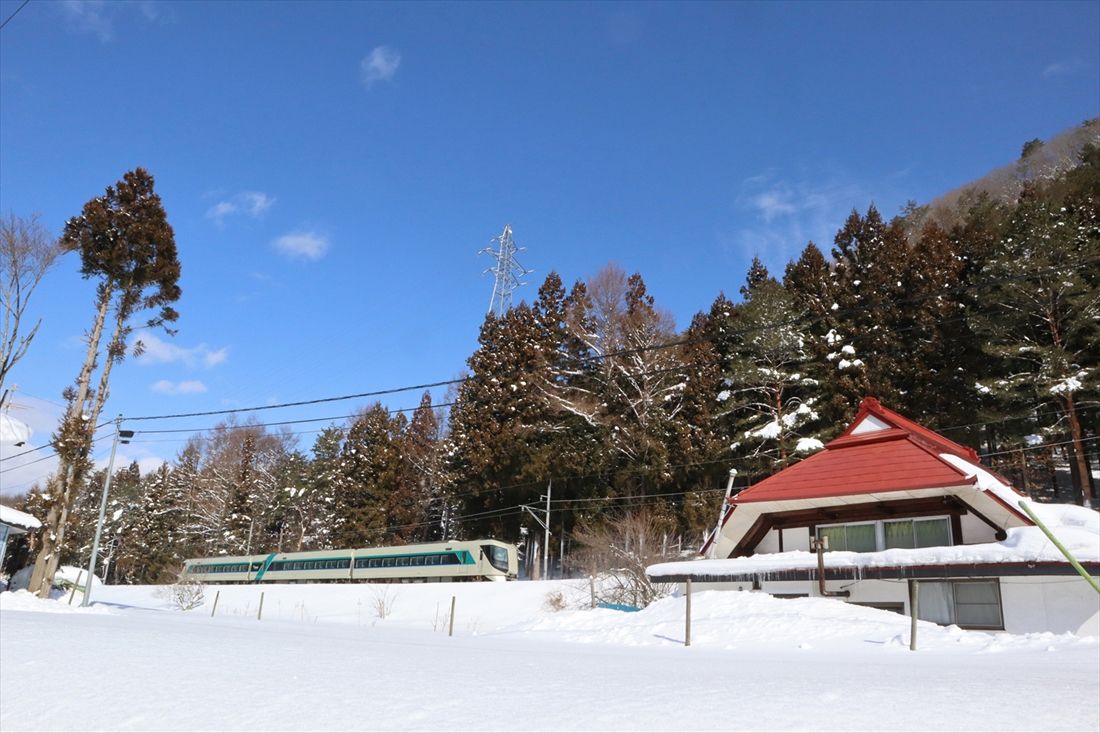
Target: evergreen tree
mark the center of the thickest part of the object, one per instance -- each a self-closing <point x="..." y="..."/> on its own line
<point x="127" y="245"/>
<point x="370" y="466"/>
<point x="768" y="381"/>
<point x="322" y="497"/>
<point x="1041" y="323"/>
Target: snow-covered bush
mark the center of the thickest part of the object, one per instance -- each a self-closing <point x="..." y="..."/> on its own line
<point x="555" y="601"/>
<point x="184" y="595"/>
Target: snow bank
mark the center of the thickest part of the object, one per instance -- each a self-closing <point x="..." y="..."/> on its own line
<point x="66" y="577"/>
<point x="22" y="600"/>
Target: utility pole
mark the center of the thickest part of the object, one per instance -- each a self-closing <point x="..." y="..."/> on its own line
<point x="546" y="555"/>
<point x="545" y="525"/>
<point x="721" y="514"/>
<point x="121" y="436"/>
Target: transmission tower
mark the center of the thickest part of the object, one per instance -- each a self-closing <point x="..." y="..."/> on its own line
<point x="507" y="272"/>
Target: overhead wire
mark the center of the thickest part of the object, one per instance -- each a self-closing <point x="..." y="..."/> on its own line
<point x="8" y="20"/>
<point x="672" y="343"/>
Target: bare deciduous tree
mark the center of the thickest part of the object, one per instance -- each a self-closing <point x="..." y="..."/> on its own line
<point x="618" y="549"/>
<point x="27" y="252"/>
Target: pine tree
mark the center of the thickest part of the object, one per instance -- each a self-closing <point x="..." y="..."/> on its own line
<point x="370" y="465"/>
<point x="322" y="496"/>
<point x="1043" y="311"/>
<point x="417" y="505"/>
<point x="768" y="381"/>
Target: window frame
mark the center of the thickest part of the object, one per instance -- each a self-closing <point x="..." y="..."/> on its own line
<point x="953" y="582"/>
<point x="880" y="531"/>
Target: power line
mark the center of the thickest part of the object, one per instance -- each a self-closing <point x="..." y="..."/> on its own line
<point x="14" y="14"/>
<point x="673" y="343"/>
<point x="51" y="444"/>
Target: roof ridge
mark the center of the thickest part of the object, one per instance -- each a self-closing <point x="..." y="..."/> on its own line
<point x="871" y="406"/>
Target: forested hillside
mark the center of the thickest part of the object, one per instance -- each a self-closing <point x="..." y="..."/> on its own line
<point x="978" y="316"/>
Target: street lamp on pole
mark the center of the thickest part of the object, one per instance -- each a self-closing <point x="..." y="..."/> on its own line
<point x="121" y="436"/>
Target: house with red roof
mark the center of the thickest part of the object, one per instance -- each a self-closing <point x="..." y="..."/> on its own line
<point x="889" y="501"/>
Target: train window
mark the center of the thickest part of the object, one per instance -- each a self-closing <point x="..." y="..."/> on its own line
<point x="344" y="564"/>
<point x="418" y="560"/>
<point x="497" y="556"/>
<point x="387" y="562"/>
<point x="402" y="562"/>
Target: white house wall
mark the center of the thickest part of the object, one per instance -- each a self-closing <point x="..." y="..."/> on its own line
<point x="975" y="531"/>
<point x="1051" y="604"/>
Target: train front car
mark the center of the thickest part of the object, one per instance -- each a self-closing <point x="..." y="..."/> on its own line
<point x="501" y="558"/>
<point x="239" y="569"/>
<point x="437" y="561"/>
<point x="433" y="562"/>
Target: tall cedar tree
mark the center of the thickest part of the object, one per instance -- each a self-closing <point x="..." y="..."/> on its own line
<point x="769" y="382"/>
<point x="370" y="467"/>
<point x="1042" y="323"/>
<point x="128" y="247"/>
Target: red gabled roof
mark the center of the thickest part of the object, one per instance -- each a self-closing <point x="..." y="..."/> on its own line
<point x="900" y="455"/>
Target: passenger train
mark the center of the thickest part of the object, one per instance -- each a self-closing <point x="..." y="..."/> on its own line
<point x="440" y="561"/>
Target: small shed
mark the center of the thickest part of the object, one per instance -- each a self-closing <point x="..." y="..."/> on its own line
<point x="13" y="522"/>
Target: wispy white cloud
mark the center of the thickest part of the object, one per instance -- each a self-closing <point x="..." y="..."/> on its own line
<point x="190" y="386"/>
<point x="1062" y="68"/>
<point x="302" y="245"/>
<point x="158" y="351"/>
<point x="247" y="203"/>
<point x="89" y="16"/>
<point x="779" y="216"/>
<point x="379" y="65"/>
<point x="98" y="17"/>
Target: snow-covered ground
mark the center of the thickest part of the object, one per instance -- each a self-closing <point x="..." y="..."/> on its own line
<point x="323" y="659"/>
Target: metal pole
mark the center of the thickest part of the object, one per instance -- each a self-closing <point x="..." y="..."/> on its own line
<point x="451" y="625"/>
<point x="546" y="544"/>
<point x="102" y="513"/>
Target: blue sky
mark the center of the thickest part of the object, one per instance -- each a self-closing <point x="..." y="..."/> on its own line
<point x="332" y="169"/>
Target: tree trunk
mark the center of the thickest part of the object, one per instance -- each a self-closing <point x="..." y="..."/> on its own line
<point x="1076" y="436"/>
<point x="45" y="566"/>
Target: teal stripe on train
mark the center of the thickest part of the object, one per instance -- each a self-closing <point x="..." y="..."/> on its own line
<point x="267" y="564"/>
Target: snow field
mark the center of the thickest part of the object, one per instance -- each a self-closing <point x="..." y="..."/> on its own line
<point x="322" y="659"/>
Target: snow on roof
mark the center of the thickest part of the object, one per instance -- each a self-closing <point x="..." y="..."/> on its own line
<point x="1075" y="527"/>
<point x="16" y="518"/>
<point x="12" y="430"/>
<point x="986" y="481"/>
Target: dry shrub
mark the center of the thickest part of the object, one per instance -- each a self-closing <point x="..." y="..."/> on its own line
<point x="618" y="550"/>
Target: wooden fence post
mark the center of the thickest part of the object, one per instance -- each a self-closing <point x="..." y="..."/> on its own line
<point x="217" y="595"/>
<point x="73" y="592"/>
<point x="451" y="627"/>
<point x="592" y="588"/>
<point x="913" y="603"/>
<point x="687" y="621"/>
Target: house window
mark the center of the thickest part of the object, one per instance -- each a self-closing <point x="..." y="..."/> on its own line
<point x="917" y="533"/>
<point x="887" y="534"/>
<point x="970" y="604"/>
<point x="850" y="537"/>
